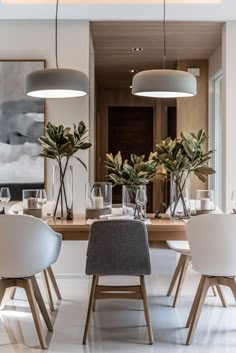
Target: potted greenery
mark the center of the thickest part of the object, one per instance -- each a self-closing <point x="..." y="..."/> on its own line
<point x="133" y="175"/>
<point x="61" y="144"/>
<point x="181" y="157"/>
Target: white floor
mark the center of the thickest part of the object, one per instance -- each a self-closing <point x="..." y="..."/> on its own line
<point x="119" y="326"/>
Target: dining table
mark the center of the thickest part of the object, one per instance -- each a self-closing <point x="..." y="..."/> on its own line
<point x="159" y="230"/>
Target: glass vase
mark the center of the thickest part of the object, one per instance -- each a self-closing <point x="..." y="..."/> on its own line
<point x="98" y="199"/>
<point x="134" y="200"/>
<point x="62" y="192"/>
<point x="180" y="190"/>
<point x="205" y="201"/>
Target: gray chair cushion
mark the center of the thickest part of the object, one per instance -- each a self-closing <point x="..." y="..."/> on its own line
<point x="118" y="247"/>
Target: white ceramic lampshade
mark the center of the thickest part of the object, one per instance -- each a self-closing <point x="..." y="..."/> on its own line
<point x="56" y="83"/>
<point x="164" y="84"/>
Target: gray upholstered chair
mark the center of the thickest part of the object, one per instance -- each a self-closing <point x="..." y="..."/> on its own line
<point x="116" y="248"/>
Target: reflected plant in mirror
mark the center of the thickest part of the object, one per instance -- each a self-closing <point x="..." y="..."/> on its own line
<point x="133" y="174"/>
<point x="61" y="144"/>
<point x="135" y="171"/>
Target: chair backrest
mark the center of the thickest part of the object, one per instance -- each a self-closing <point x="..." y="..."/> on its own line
<point x="27" y="246"/>
<point x="118" y="247"/>
<point x="212" y="240"/>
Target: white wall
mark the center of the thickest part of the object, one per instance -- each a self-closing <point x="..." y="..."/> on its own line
<point x="215" y="62"/>
<point x="35" y="40"/>
<point x="229" y="112"/>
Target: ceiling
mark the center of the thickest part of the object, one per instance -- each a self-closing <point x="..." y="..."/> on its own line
<point x="112" y="2"/>
<point x="113" y="41"/>
<point x="130" y="10"/>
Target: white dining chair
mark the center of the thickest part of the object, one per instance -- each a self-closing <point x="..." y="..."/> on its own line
<point x="212" y="242"/>
<point x="47" y="274"/>
<point x="27" y="246"/>
<point x="182" y="248"/>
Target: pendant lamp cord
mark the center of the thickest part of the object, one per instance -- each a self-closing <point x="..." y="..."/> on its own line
<point x="164" y="36"/>
<point x="56" y="33"/>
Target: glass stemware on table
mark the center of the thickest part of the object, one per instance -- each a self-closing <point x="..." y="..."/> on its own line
<point x="41" y="196"/>
<point x="5" y="197"/>
<point x="141" y="200"/>
<point x="233" y="200"/>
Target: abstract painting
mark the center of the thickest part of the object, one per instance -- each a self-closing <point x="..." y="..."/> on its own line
<point x="21" y="123"/>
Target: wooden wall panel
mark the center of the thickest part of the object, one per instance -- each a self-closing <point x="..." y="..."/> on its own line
<point x="192" y="113"/>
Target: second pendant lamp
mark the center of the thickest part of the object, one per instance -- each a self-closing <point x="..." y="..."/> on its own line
<point x="57" y="82"/>
<point x="164" y="83"/>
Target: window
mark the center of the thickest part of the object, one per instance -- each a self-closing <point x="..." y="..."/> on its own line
<point x="215" y="133"/>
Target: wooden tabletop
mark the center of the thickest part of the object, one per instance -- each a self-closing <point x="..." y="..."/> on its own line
<point x="158" y="230"/>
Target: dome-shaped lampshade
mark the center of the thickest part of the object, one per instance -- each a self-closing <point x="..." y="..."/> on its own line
<point x="56" y="83"/>
<point x="164" y="84"/>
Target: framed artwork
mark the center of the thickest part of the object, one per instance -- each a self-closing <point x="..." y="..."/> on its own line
<point x="21" y="123"/>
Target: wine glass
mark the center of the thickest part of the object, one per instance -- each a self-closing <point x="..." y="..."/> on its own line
<point x="233" y="200"/>
<point x="141" y="200"/>
<point x="5" y="196"/>
<point x="41" y="196"/>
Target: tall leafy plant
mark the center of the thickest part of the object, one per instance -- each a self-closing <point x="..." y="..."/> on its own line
<point x="60" y="144"/>
<point x="183" y="156"/>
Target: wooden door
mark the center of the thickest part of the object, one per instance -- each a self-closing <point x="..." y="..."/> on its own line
<point x="130" y="130"/>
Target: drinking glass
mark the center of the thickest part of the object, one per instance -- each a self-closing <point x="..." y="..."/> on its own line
<point x="41" y="196"/>
<point x="5" y="196"/>
<point x="141" y="200"/>
<point x="233" y="200"/>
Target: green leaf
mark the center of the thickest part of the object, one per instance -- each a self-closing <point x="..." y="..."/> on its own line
<point x="83" y="164"/>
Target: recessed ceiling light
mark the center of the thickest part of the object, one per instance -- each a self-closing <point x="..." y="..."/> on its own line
<point x="132" y="71"/>
<point x="137" y="49"/>
<point x="130" y="86"/>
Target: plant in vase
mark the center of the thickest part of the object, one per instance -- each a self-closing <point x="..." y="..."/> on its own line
<point x="61" y="144"/>
<point x="181" y="157"/>
<point x="133" y="175"/>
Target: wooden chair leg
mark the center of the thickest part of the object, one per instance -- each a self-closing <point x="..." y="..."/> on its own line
<point x="176" y="274"/>
<point x="4" y="294"/>
<point x="48" y="290"/>
<point x="27" y="285"/>
<point x="181" y="281"/>
<point x="94" y="299"/>
<point x="41" y="304"/>
<point x="204" y="288"/>
<point x="195" y="302"/>
<point x="214" y="291"/>
<point x="5" y="298"/>
<point x="91" y="299"/>
<point x="221" y="295"/>
<point x="232" y="286"/>
<point x="13" y="293"/>
<point x="146" y="310"/>
<point x="54" y="282"/>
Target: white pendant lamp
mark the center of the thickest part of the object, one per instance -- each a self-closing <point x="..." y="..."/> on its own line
<point x="164" y="83"/>
<point x="57" y="82"/>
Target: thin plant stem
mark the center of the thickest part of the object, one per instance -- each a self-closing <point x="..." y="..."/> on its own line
<point x="60" y="189"/>
<point x="178" y="180"/>
<point x="63" y="183"/>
